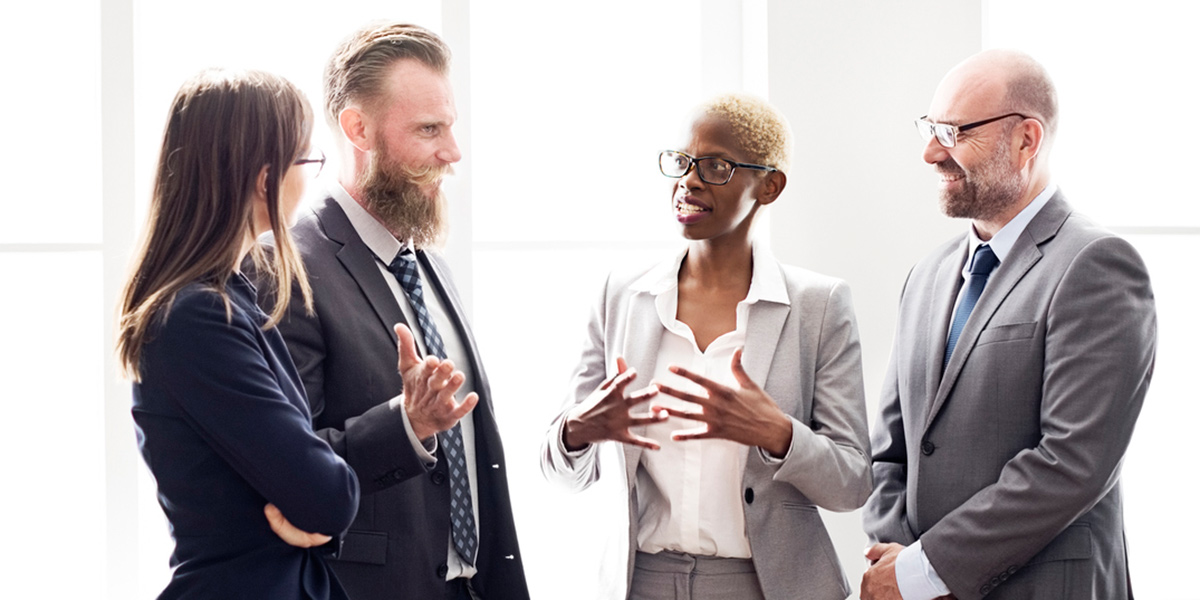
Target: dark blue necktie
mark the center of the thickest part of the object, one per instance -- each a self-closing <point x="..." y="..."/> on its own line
<point x="985" y="260"/>
<point x="462" y="514"/>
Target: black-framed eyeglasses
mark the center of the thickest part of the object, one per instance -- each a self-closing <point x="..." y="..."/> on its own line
<point x="947" y="134"/>
<point x="712" y="170"/>
<point x="320" y="162"/>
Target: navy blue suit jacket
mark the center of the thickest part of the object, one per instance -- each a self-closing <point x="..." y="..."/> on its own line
<point x="224" y="426"/>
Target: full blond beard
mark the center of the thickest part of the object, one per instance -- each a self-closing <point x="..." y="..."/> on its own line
<point x="393" y="193"/>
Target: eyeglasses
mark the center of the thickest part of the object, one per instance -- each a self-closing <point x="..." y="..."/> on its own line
<point x="712" y="170"/>
<point x="947" y="135"/>
<point x="320" y="162"/>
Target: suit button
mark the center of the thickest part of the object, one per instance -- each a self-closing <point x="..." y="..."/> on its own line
<point x="438" y="478"/>
<point x="985" y="590"/>
<point x="1004" y="576"/>
<point x="927" y="447"/>
<point x="749" y="496"/>
<point x="442" y="570"/>
<point x="1013" y="570"/>
<point x="995" y="581"/>
<point x="398" y="474"/>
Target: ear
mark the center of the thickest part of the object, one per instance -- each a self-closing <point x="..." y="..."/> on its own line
<point x="354" y="126"/>
<point x="772" y="186"/>
<point x="260" y="219"/>
<point x="1028" y="141"/>
<point x="260" y="184"/>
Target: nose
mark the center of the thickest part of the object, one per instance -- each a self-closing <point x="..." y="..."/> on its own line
<point x="449" y="152"/>
<point x="691" y="180"/>
<point x="934" y="152"/>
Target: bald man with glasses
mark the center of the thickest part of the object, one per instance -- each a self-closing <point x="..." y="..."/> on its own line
<point x="1023" y="352"/>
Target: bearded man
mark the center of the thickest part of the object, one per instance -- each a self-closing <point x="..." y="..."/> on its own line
<point x="1022" y="355"/>
<point x="435" y="520"/>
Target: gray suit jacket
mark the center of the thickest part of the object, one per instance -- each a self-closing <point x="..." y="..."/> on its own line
<point x="1006" y="466"/>
<point x="806" y="355"/>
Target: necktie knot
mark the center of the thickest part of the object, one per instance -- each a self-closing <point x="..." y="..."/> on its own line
<point x="404" y="267"/>
<point x="985" y="260"/>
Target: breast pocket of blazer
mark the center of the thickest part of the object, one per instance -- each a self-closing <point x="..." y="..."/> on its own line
<point x="1007" y="333"/>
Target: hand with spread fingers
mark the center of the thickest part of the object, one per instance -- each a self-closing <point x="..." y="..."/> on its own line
<point x="743" y="414"/>
<point x="429" y="388"/>
<point x="606" y="413"/>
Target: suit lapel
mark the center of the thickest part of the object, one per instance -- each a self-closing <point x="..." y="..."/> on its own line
<point x="360" y="263"/>
<point x="945" y="291"/>
<point x="642" y="342"/>
<point x="1024" y="255"/>
<point x="440" y="279"/>
<point x="487" y="445"/>
<point x="764" y="328"/>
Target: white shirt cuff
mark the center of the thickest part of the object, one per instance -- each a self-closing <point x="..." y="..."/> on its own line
<point x="915" y="575"/>
<point x="425" y="449"/>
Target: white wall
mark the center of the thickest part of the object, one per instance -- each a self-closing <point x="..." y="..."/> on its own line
<point x="860" y="204"/>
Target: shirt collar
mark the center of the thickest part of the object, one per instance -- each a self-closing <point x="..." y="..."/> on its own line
<point x="378" y="239"/>
<point x="766" y="280"/>
<point x="1002" y="243"/>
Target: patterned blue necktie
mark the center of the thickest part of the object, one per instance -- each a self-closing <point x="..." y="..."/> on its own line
<point x="462" y="514"/>
<point x="981" y="268"/>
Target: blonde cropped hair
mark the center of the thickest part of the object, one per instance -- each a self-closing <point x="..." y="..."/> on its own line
<point x="760" y="129"/>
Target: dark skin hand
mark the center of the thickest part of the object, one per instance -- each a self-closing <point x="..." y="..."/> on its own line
<point x="605" y="414"/>
<point x="745" y="414"/>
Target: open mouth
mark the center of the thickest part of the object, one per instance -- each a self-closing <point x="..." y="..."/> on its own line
<point x="686" y="206"/>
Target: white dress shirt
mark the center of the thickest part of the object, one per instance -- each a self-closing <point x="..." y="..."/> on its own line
<point x="915" y="575"/>
<point x="386" y="247"/>
<point x="690" y="493"/>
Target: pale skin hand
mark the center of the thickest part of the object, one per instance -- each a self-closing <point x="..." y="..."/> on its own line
<point x="879" y="581"/>
<point x="289" y="533"/>
<point x="429" y="388"/>
<point x="605" y="414"/>
<point x="743" y="414"/>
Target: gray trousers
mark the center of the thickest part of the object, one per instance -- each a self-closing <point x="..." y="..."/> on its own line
<point x="675" y="576"/>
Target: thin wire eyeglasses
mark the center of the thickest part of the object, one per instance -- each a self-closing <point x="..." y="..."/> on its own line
<point x="947" y="134"/>
<point x="712" y="170"/>
<point x="320" y="162"/>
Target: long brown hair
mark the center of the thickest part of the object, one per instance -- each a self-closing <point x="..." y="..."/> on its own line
<point x="223" y="127"/>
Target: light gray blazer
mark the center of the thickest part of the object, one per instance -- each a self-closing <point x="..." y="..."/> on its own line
<point x="1006" y="467"/>
<point x="806" y="355"/>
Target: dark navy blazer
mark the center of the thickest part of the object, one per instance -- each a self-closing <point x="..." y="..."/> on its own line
<point x="346" y="356"/>
<point x="224" y="426"/>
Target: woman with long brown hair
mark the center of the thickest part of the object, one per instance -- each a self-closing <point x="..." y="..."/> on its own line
<point x="221" y="416"/>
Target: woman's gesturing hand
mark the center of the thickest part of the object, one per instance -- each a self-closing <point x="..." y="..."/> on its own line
<point x="743" y="414"/>
<point x="606" y="413"/>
